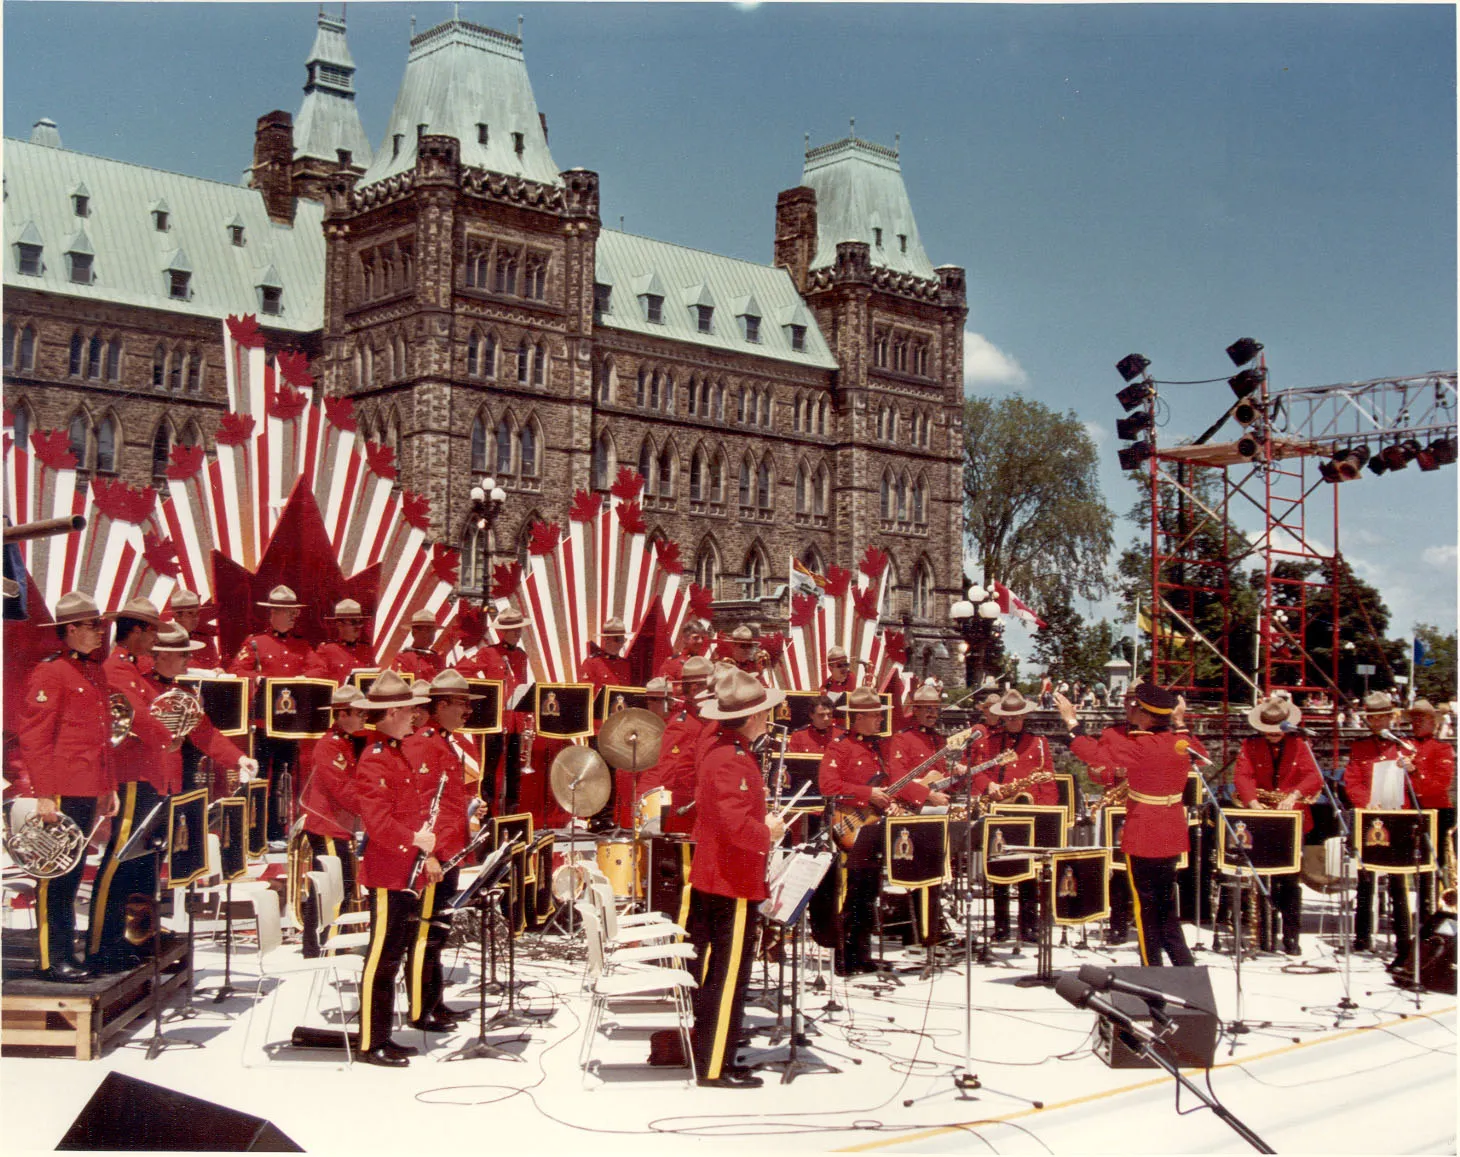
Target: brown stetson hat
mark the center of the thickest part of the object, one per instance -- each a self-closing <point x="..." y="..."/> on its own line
<point x="927" y="695"/>
<point x="696" y="669"/>
<point x="451" y="683"/>
<point x="739" y="695"/>
<point x="1270" y="715"/>
<point x="347" y="609"/>
<point x="510" y="620"/>
<point x="173" y="638"/>
<point x="1378" y="703"/>
<point x="143" y="610"/>
<point x="388" y="691"/>
<point x="77" y="607"/>
<point x="863" y="699"/>
<point x="1013" y="703"/>
<point x="346" y="696"/>
<point x="281" y="598"/>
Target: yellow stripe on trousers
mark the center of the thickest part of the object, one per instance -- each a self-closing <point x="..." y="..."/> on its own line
<point x="418" y="951"/>
<point x="1135" y="903"/>
<point x="97" y="912"/>
<point x="372" y="965"/>
<point x="329" y="850"/>
<point x="42" y="899"/>
<point x="727" y="993"/>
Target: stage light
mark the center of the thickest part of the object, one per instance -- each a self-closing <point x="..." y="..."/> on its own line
<point x="1401" y="454"/>
<point x="1132" y="366"/>
<point x="1377" y="465"/>
<point x="1246" y="412"/>
<point x="1128" y="428"/>
<point x="1247" y="382"/>
<point x="1345" y="466"/>
<point x="1444" y="451"/>
<point x="1426" y="460"/>
<point x="1329" y="472"/>
<point x="1133" y="395"/>
<point x="1133" y="455"/>
<point x="1250" y="445"/>
<point x="1243" y="350"/>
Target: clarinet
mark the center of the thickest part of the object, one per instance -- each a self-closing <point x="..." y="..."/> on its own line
<point x="430" y="823"/>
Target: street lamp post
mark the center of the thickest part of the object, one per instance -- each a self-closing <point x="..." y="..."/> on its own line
<point x="976" y="619"/>
<point x="487" y="499"/>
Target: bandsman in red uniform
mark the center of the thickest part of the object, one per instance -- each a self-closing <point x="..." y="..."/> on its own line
<point x="349" y="651"/>
<point x="911" y="746"/>
<point x="838" y="674"/>
<point x="733" y="837"/>
<point x="823" y="730"/>
<point x="420" y="660"/>
<point x="437" y="747"/>
<point x="1432" y="771"/>
<point x="1032" y="757"/>
<point x="677" y="768"/>
<point x="605" y="665"/>
<point x="742" y="648"/>
<point x="395" y="802"/>
<point x="187" y="613"/>
<point x="1274" y="760"/>
<point x="630" y="785"/>
<point x="63" y="731"/>
<point x="1156" y="760"/>
<point x="693" y="641"/>
<point x="331" y="806"/>
<point x="505" y="660"/>
<point x="848" y="767"/>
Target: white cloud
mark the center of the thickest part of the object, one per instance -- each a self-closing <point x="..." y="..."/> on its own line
<point x="1439" y="556"/>
<point x="1097" y="432"/>
<point x="984" y="364"/>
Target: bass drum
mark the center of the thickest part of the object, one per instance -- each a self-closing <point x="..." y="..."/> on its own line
<point x="617" y="860"/>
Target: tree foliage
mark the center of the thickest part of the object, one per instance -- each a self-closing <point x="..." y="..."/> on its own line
<point x="1436" y="682"/>
<point x="1034" y="514"/>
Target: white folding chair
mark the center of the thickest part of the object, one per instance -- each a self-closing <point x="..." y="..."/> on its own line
<point x="639" y="928"/>
<point x="334" y="935"/>
<point x="668" y="953"/>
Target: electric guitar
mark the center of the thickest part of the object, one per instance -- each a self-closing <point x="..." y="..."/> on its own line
<point x="848" y="820"/>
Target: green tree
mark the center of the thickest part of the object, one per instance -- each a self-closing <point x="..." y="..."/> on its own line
<point x="1436" y="682"/>
<point x="1034" y="514"/>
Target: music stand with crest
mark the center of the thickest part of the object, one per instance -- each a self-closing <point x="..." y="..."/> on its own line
<point x="482" y="893"/>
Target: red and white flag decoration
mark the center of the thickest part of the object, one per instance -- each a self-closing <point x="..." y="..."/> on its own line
<point x="1012" y="604"/>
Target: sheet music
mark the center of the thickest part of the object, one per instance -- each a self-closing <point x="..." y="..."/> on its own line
<point x="516" y="696"/>
<point x="1387" y="785"/>
<point x="791" y="889"/>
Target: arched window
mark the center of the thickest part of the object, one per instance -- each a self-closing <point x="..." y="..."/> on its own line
<point x="719" y="402"/>
<point x="718" y="471"/>
<point x="479" y="446"/>
<point x="747" y="471"/>
<point x="740" y="406"/>
<point x="471" y="556"/>
<point x="21" y="424"/>
<point x="539" y="364"/>
<point x="9" y="345"/>
<point x="707" y="566"/>
<point x="811" y="559"/>
<point x="175" y="367"/>
<point x="885" y="506"/>
<point x="646" y="465"/>
<point x="887" y="605"/>
<point x="607" y="380"/>
<point x="473" y="355"/>
<point x="655" y="379"/>
<point x="823" y="416"/>
<point x="902" y="498"/>
<point x="693" y="403"/>
<point x="113" y="360"/>
<point x="763" y="483"/>
<point x="524" y="362"/>
<point x="803" y="488"/>
<point x="161" y="447"/>
<point x="767" y="409"/>
<point x="78" y="354"/>
<point x="641" y="387"/>
<point x="78" y="439"/>
<point x="106" y="446"/>
<point x="527" y="463"/>
<point x="392" y="438"/>
<point x="821" y="491"/>
<point x="190" y="436"/>
<point x="754" y="574"/>
<point x="504" y="445"/>
<point x="893" y="424"/>
<point x="919" y="500"/>
<point x="922" y="592"/>
<point x="666" y="394"/>
<point x="195" y="373"/>
<point x="159" y="367"/>
<point x="603" y="462"/>
<point x="697" y="480"/>
<point x="665" y="485"/>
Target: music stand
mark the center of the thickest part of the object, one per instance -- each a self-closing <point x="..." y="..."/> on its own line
<point x="915" y="855"/>
<point x="233" y="862"/>
<point x="480" y="894"/>
<point x="1399" y="843"/>
<point x="509" y="1017"/>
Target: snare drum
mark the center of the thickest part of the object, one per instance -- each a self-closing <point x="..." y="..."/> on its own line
<point x="649" y="810"/>
<point x="616" y="860"/>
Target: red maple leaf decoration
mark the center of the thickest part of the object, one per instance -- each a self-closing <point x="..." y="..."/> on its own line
<point x="294" y="368"/>
<point x="506" y="578"/>
<point x="121" y="502"/>
<point x="53" y="448"/>
<point x="416" y="509"/>
<point x="235" y="429"/>
<point x="873" y="563"/>
<point x="836" y="581"/>
<point x="631" y="518"/>
<point x="586" y="506"/>
<point x="894" y="644"/>
<point x="803" y="610"/>
<point x="285" y="403"/>
<point x="865" y="600"/>
<point x="161" y="554"/>
<point x="341" y="413"/>
<point x="773" y="645"/>
<point x="668" y="557"/>
<point x="245" y="331"/>
<point x="701" y="601"/>
<point x="543" y="538"/>
<point x="381" y="460"/>
<point x="446" y="563"/>
<point x="184" y="462"/>
<point x="628" y="483"/>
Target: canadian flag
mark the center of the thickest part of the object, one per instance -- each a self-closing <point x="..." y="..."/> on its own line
<point x="1012" y="604"/>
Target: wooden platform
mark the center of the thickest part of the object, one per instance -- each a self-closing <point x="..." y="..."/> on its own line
<point x="42" y="1018"/>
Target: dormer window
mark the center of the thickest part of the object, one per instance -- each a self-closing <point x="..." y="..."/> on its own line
<point x="902" y="242"/>
<point x="271" y="300"/>
<point x="178" y="284"/>
<point x="602" y="300"/>
<point x="235" y="235"/>
<point x="159" y="220"/>
<point x="80" y="267"/>
<point x="877" y="237"/>
<point x="704" y="318"/>
<point x="395" y="141"/>
<point x="484" y="135"/>
<point x="28" y="259"/>
<point x="81" y="204"/>
<point x="519" y="143"/>
<point x="345" y="157"/>
<point x="798" y="337"/>
<point x="653" y="308"/>
<point x="751" y="327"/>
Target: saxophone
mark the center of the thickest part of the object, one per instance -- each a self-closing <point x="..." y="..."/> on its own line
<point x="1017" y="790"/>
<point x="1114" y="796"/>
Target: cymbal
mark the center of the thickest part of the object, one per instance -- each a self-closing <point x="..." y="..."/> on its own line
<point x="629" y="739"/>
<point x="580" y="780"/>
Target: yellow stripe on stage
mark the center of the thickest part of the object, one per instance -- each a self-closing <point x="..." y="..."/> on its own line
<point x="418" y="951"/>
<point x="1135" y="904"/>
<point x="367" y="978"/>
<point x="97" y="912"/>
<point x="727" y="993"/>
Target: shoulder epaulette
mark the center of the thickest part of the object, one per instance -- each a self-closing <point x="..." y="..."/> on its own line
<point x="379" y="747"/>
<point x="53" y="656"/>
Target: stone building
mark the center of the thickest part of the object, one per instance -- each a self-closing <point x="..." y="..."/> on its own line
<point x="463" y="290"/>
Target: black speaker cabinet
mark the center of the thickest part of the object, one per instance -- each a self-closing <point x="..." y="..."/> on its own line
<point x="1195" y="1040"/>
<point x="125" y="1113"/>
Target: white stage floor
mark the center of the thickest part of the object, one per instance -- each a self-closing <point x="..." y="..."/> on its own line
<point x="1381" y="1081"/>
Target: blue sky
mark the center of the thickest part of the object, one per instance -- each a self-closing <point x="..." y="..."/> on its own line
<point x="1152" y="178"/>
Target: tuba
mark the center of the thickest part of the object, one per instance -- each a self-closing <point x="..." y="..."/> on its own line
<point x="178" y="710"/>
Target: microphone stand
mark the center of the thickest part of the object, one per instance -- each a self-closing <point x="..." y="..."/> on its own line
<point x="1421" y="852"/>
<point x="1346" y="1003"/>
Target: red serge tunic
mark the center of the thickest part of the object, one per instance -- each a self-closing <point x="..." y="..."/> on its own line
<point x="329" y="801"/>
<point x="336" y="660"/>
<point x="731" y="839"/>
<point x="415" y="663"/>
<point x="604" y="670"/>
<point x="808" y="741"/>
<point x="167" y="777"/>
<point x="1434" y="772"/>
<point x="1032" y="754"/>
<point x="272" y="656"/>
<point x="64" y="728"/>
<point x="144" y="754"/>
<point x="1358" y="778"/>
<point x="432" y="747"/>
<point x="1157" y="766"/>
<point x="395" y="798"/>
<point x="1296" y="771"/>
<point x="848" y="767"/>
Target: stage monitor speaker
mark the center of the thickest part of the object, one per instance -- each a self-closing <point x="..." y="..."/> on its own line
<point x="1194" y="1042"/>
<point x="125" y="1113"/>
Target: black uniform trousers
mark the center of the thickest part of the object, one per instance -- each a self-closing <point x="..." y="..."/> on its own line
<point x="1152" y="885"/>
<point x="863" y="869"/>
<point x="1398" y="908"/>
<point x="424" y="978"/>
<point x="56" y="899"/>
<point x="319" y="846"/>
<point x="1028" y="910"/>
<point x="391" y="924"/>
<point x="278" y="761"/>
<point x="115" y="882"/>
<point x="725" y="932"/>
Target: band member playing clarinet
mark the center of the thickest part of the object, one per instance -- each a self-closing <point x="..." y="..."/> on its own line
<point x="395" y="802"/>
<point x="733" y="836"/>
<point x="1154" y="836"/>
<point x="1280" y="767"/>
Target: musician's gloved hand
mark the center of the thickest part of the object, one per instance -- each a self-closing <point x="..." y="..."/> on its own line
<point x="881" y="798"/>
<point x="248" y="767"/>
<point x="937" y="799"/>
<point x="425" y="839"/>
<point x="434" y="874"/>
<point x="777" y="828"/>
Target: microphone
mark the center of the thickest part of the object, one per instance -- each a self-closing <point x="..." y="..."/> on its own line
<point x="1081" y="995"/>
<point x="1294" y="729"/>
<point x="1097" y="977"/>
<point x="1394" y="739"/>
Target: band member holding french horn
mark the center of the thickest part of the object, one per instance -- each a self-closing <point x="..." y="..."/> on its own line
<point x="1276" y="769"/>
<point x="728" y="879"/>
<point x="63" y="733"/>
<point x="330" y="804"/>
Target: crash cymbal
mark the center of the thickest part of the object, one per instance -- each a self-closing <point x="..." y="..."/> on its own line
<point x="629" y="739"/>
<point x="580" y="780"/>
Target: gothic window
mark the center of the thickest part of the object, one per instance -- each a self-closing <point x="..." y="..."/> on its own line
<point x="527" y="450"/>
<point x="114" y="360"/>
<point x="754" y="574"/>
<point x="719" y="414"/>
<point x="93" y="356"/>
<point x="707" y="566"/>
<point x="603" y="462"/>
<point x="78" y="437"/>
<point x="886" y="605"/>
<point x="161" y="445"/>
<point x="641" y="387"/>
<point x="820" y="491"/>
<point x="697" y="476"/>
<point x="740" y="406"/>
<point x="693" y="403"/>
<point x="159" y="367"/>
<point x="922" y="592"/>
<point x="195" y="374"/>
<point x="477" y="269"/>
<point x="763" y="483"/>
<point x="504" y="446"/>
<point x="747" y="471"/>
<point x="539" y="364"/>
<point x="506" y="273"/>
<point x="892" y="425"/>
<point x="190" y="435"/>
<point x="646" y="466"/>
<point x="666" y="394"/>
<point x="901" y="498"/>
<point x="823" y="416"/>
<point x="524" y="362"/>
<point x="665" y="486"/>
<point x="367" y="276"/>
<point x="21" y="425"/>
<point x="175" y="362"/>
<point x="885" y="507"/>
<point x="479" y="446"/>
<point x="607" y="378"/>
<point x="473" y="355"/>
<point x="919" y="501"/>
<point x="78" y="351"/>
<point x="20" y="349"/>
<point x="899" y="353"/>
<point x="106" y="446"/>
<point x="534" y="277"/>
<point x="401" y="368"/>
<point x="654" y="379"/>
<point x="803" y="486"/>
<point x="879" y="349"/>
<point x="717" y="477"/>
<point x="9" y="345"/>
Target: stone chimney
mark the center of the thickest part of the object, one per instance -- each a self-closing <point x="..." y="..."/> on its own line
<point x="796" y="233"/>
<point x="273" y="156"/>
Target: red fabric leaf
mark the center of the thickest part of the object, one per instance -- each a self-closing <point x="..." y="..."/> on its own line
<point x="381" y="460"/>
<point x="161" y="555"/>
<point x="865" y="600"/>
<point x="294" y="368"/>
<point x="416" y="509"/>
<point x="285" y="403"/>
<point x="630" y="518"/>
<point x="53" y="448"/>
<point x="117" y="500"/>
<point x="668" y="555"/>
<point x="586" y="506"/>
<point x="506" y="578"/>
<point x="874" y="562"/>
<point x="543" y="538"/>
<point x="234" y="429"/>
<point x="446" y="561"/>
<point x="628" y="483"/>
<point x="245" y="331"/>
<point x="185" y="462"/>
<point x="773" y="645"/>
<point x="803" y="610"/>
<point x="341" y="413"/>
<point x="894" y="644"/>
<point x="836" y="581"/>
<point x="701" y="601"/>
